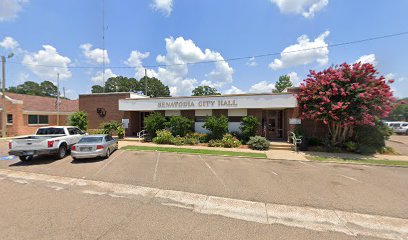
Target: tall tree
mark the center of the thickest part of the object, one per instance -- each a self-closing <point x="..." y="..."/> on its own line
<point x="121" y="84"/>
<point x="155" y="88"/>
<point x="205" y="91"/>
<point x="282" y="84"/>
<point x="345" y="96"/>
<point x="97" y="89"/>
<point x="28" y="87"/>
<point x="48" y="89"/>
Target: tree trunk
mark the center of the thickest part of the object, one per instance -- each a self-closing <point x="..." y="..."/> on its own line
<point x="338" y="133"/>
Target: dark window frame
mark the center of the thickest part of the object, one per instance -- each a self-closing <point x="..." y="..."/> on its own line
<point x="39" y="119"/>
<point x="10" y="119"/>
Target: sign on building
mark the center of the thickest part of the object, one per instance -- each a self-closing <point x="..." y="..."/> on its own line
<point x="295" y="121"/>
<point x="125" y="123"/>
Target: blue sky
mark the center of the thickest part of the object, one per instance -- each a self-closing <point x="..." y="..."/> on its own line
<point x="68" y="34"/>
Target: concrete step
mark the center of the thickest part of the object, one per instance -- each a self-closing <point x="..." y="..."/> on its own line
<point x="280" y="145"/>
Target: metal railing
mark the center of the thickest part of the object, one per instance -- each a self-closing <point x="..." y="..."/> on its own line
<point x="142" y="134"/>
<point x="296" y="141"/>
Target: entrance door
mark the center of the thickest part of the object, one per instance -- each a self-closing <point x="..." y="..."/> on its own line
<point x="274" y="121"/>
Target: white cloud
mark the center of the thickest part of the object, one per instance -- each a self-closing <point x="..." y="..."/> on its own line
<point x="38" y="62"/>
<point x="234" y="90"/>
<point x="164" y="6"/>
<point x="307" y="8"/>
<point x="22" y="77"/>
<point x="9" y="43"/>
<point x="262" y="87"/>
<point x="71" y="94"/>
<point x="296" y="54"/>
<point x="9" y="9"/>
<point x="252" y="62"/>
<point x="180" y="52"/>
<point x="294" y="78"/>
<point x="370" y="58"/>
<point x="99" y="78"/>
<point x="94" y="55"/>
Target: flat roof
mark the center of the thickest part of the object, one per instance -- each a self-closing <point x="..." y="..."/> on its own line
<point x="211" y="96"/>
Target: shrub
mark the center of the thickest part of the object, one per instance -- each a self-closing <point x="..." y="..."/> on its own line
<point x="180" y="125"/>
<point x="121" y="132"/>
<point x="178" y="141"/>
<point x="371" y="139"/>
<point x="199" y="137"/>
<point x="217" y="125"/>
<point x="313" y="141"/>
<point x="215" y="143"/>
<point x="95" y="131"/>
<point x="163" y="137"/>
<point x="80" y="120"/>
<point x="351" y="146"/>
<point x="249" y="127"/>
<point x="110" y="127"/>
<point x="185" y="141"/>
<point x="155" y="121"/>
<point x="258" y="143"/>
<point x="229" y="141"/>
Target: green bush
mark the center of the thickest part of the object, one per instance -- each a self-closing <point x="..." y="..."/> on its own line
<point x="80" y="120"/>
<point x="371" y="139"/>
<point x="180" y="125"/>
<point x="184" y="141"/>
<point x="249" y="127"/>
<point x="110" y="127"/>
<point x="258" y="143"/>
<point x="217" y="125"/>
<point x="215" y="143"/>
<point x="163" y="137"/>
<point x="121" y="132"/>
<point x="229" y="141"/>
<point x="155" y="121"/>
<point x="199" y="137"/>
<point x="351" y="146"/>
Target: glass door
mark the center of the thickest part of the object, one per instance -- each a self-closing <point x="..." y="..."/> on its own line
<point x="274" y="120"/>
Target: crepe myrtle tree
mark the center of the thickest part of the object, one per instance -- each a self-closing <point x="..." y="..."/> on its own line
<point x="345" y="96"/>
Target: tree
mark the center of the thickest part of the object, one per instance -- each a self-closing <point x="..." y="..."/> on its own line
<point x="155" y="121"/>
<point x="282" y="84"/>
<point x="180" y="125"/>
<point x="45" y="89"/>
<point x="400" y="113"/>
<point x="205" y="91"/>
<point x="217" y="125"/>
<point x="155" y="88"/>
<point x="48" y="89"/>
<point x="345" y="96"/>
<point x="80" y="120"/>
<point x="97" y="89"/>
<point x="121" y="84"/>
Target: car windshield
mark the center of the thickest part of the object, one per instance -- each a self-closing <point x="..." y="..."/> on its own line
<point x="50" y="131"/>
<point x="91" y="140"/>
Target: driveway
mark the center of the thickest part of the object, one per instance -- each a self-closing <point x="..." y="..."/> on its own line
<point x="399" y="143"/>
<point x="197" y="196"/>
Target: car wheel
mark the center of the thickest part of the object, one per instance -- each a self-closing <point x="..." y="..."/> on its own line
<point x="26" y="158"/>
<point x="62" y="152"/>
<point x="73" y="158"/>
<point x="107" y="153"/>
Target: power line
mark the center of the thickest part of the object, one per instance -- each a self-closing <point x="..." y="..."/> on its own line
<point x="231" y="59"/>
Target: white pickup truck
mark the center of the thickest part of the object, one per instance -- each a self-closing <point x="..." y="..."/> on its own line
<point x="51" y="140"/>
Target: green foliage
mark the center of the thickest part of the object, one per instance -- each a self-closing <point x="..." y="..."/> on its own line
<point x="163" y="137"/>
<point x="371" y="139"/>
<point x="155" y="88"/>
<point x="313" y="141"/>
<point x="180" y="125"/>
<point x="121" y="132"/>
<point x="215" y="143"/>
<point x="205" y="91"/>
<point x="121" y="84"/>
<point x="229" y="141"/>
<point x="155" y="121"/>
<point x="185" y="141"/>
<point x="80" y="120"/>
<point x="282" y="84"/>
<point x="97" y="89"/>
<point x="258" y="143"/>
<point x="351" y="146"/>
<point x="95" y="131"/>
<point x="249" y="127"/>
<point x="200" y="137"/>
<point x="217" y="125"/>
<point x="45" y="89"/>
<point x="110" y="127"/>
<point x="400" y="113"/>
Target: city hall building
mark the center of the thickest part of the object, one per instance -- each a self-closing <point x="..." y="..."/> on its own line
<point x="277" y="113"/>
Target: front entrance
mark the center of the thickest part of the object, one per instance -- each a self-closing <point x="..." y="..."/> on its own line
<point x="273" y="124"/>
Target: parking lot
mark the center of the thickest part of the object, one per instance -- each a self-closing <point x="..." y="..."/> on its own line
<point x="371" y="190"/>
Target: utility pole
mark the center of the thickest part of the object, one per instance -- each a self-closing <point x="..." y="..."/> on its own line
<point x="3" y="98"/>
<point x="103" y="44"/>
<point x="58" y="101"/>
<point x="146" y="82"/>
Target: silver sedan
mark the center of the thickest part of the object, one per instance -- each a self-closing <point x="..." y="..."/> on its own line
<point x="92" y="146"/>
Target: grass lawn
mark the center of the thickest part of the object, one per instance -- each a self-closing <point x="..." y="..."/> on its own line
<point x="362" y="161"/>
<point x="195" y="151"/>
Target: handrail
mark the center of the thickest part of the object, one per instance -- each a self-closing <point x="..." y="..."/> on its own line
<point x="141" y="134"/>
<point x="295" y="141"/>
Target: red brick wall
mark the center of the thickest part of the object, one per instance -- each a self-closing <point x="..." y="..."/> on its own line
<point x="110" y="102"/>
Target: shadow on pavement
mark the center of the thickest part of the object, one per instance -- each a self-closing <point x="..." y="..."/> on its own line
<point x="87" y="160"/>
<point x="40" y="160"/>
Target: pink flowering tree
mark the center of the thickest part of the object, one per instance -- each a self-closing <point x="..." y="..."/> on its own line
<point x="345" y="96"/>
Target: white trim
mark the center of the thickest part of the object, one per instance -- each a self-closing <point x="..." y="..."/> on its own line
<point x="239" y="112"/>
<point x="42" y="124"/>
<point x="203" y="112"/>
<point x="45" y="113"/>
<point x="14" y="101"/>
<point x="170" y="113"/>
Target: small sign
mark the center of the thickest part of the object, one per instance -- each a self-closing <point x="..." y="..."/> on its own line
<point x="125" y="123"/>
<point x="295" y="121"/>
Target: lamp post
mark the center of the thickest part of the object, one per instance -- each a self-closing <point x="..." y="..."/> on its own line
<point x="3" y="96"/>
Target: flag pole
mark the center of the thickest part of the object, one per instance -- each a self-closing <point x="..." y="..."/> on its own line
<point x="58" y="101"/>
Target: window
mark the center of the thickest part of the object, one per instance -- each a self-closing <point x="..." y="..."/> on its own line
<point x="50" y="131"/>
<point x="108" y="138"/>
<point x="10" y="118"/>
<point x="74" y="131"/>
<point x="90" y="140"/>
<point x="234" y="119"/>
<point x="200" y="118"/>
<point x="37" y="119"/>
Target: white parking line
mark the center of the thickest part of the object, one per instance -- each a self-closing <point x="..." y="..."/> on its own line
<point x="213" y="172"/>
<point x="274" y="173"/>
<point x="351" y="178"/>
<point x="307" y="164"/>
<point x="106" y="164"/>
<point x="155" y="169"/>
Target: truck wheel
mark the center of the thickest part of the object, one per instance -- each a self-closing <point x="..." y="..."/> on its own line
<point x="62" y="152"/>
<point x="26" y="158"/>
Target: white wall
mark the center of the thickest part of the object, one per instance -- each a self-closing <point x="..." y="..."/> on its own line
<point x="237" y="112"/>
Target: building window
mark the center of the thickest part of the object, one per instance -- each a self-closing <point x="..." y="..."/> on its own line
<point x="37" y="119"/>
<point x="200" y="118"/>
<point x="9" y="118"/>
<point x="235" y="119"/>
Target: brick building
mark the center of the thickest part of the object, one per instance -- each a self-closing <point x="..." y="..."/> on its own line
<point x="276" y="112"/>
<point x="25" y="113"/>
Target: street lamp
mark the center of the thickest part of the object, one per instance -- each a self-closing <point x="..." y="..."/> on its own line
<point x="3" y="90"/>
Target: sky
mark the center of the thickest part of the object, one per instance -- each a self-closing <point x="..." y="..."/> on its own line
<point x="65" y="37"/>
